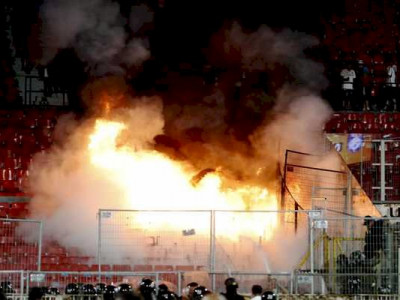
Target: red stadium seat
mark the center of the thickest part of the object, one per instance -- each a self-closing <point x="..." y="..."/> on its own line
<point x="184" y="268"/>
<point x="163" y="268"/>
<point x="368" y="118"/>
<point x="143" y="268"/>
<point x="356" y="127"/>
<point x="341" y="128"/>
<point x="122" y="268"/>
<point x="373" y="128"/>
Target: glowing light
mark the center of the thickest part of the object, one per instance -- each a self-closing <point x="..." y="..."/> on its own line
<point x="152" y="181"/>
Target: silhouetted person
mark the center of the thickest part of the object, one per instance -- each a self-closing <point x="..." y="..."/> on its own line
<point x="36" y="293"/>
<point x="256" y="291"/>
<point x="374" y="237"/>
<point x="231" y="290"/>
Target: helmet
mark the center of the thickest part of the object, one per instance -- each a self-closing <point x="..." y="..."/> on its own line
<point x="124" y="288"/>
<point x="54" y="291"/>
<point x="109" y="290"/>
<point x="341" y="259"/>
<point x="200" y="292"/>
<point x="231" y="282"/>
<point x="193" y="284"/>
<point x="100" y="288"/>
<point x="7" y="287"/>
<point x="268" y="295"/>
<point x="72" y="289"/>
<point x="190" y="288"/>
<point x="147" y="286"/>
<point x="88" y="289"/>
<point x="80" y="287"/>
<point x="162" y="288"/>
<point x="167" y="296"/>
<point x="357" y="257"/>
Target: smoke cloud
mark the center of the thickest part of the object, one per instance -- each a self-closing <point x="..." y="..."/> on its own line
<point x="68" y="190"/>
<point x="264" y="47"/>
<point x="96" y="30"/>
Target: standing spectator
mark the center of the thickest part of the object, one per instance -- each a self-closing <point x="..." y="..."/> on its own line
<point x="363" y="87"/>
<point x="348" y="75"/>
<point x="256" y="291"/>
<point x="391" y="101"/>
<point x="35" y="293"/>
<point x="231" y="290"/>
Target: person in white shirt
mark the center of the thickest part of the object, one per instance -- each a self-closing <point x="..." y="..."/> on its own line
<point x="348" y="75"/>
<point x="256" y="291"/>
<point x="391" y="75"/>
<point x="391" y="87"/>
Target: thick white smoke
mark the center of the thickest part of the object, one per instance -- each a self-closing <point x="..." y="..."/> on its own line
<point x="299" y="118"/>
<point x="68" y="190"/>
<point x="97" y="32"/>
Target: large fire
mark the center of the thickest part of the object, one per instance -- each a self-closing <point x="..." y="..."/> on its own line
<point x="151" y="180"/>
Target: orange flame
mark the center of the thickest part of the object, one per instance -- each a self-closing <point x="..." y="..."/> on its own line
<point x="152" y="181"/>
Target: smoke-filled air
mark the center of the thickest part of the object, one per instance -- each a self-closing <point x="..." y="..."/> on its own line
<point x="137" y="156"/>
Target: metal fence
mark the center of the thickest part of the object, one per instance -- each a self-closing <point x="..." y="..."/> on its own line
<point x="352" y="255"/>
<point x="309" y="183"/>
<point x="20" y="244"/>
<point x="375" y="162"/>
<point x="13" y="282"/>
<point x="208" y="241"/>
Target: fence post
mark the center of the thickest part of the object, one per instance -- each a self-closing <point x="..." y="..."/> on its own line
<point x="296" y="283"/>
<point x="28" y="277"/>
<point x="99" y="242"/>
<point x="398" y="271"/>
<point x="212" y="248"/>
<point x="361" y="164"/>
<point x="21" y="290"/>
<point x="382" y="165"/>
<point x="311" y="235"/>
<point x="39" y="262"/>
<point x="179" y="283"/>
<point x="157" y="279"/>
<point x="291" y="283"/>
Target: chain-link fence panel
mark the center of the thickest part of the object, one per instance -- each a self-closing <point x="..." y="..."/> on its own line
<point x="155" y="240"/>
<point x="20" y="244"/>
<point x="365" y="249"/>
<point x="309" y="184"/>
<point x="12" y="283"/>
<point x="264" y="241"/>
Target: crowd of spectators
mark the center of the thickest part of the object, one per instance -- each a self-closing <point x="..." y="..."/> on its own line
<point x="362" y="48"/>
